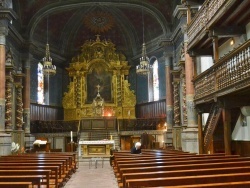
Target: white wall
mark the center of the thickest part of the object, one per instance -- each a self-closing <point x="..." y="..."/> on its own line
<point x="242" y="130"/>
<point x="206" y="62"/>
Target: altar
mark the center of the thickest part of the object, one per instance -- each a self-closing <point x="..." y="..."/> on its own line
<point x="95" y="147"/>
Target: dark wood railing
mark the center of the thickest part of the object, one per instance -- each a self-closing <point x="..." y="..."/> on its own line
<point x="230" y="74"/>
<point x="203" y="18"/>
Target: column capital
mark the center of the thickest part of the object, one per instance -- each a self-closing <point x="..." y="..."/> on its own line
<point x="167" y="58"/>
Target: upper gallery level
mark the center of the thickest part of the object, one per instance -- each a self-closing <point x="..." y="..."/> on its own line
<point x="220" y="30"/>
<point x="222" y="18"/>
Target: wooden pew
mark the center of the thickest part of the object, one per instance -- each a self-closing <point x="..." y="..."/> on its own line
<point x="35" y="179"/>
<point x="159" y="159"/>
<point x="241" y="184"/>
<point x="188" y="180"/>
<point x="51" y="162"/>
<point x="174" y="163"/>
<point x="119" y="163"/>
<point x="16" y="184"/>
<point x="44" y="173"/>
<point x="186" y="167"/>
<point x="54" y="177"/>
<point x="148" y="157"/>
<point x="23" y="158"/>
<point x="69" y="156"/>
<point x="179" y="173"/>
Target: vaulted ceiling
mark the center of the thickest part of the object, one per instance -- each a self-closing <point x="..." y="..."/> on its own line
<point x="72" y="22"/>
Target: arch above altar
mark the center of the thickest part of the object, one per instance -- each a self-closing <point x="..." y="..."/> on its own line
<point x="98" y="72"/>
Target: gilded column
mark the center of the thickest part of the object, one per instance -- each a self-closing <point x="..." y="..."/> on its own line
<point x="176" y="103"/>
<point x="19" y="107"/>
<point x="8" y="97"/>
<point x="6" y="14"/>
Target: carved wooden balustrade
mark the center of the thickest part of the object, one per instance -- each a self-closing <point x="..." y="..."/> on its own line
<point x="202" y="18"/>
<point x="229" y="74"/>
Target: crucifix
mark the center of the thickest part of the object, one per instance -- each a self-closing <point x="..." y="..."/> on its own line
<point x="98" y="88"/>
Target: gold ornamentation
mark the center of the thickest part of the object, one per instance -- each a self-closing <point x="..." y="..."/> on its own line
<point x="98" y="64"/>
<point x="68" y="99"/>
<point x="98" y="21"/>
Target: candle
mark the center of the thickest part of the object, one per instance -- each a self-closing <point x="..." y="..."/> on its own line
<point x="110" y="137"/>
<point x="129" y="113"/>
<point x="71" y="136"/>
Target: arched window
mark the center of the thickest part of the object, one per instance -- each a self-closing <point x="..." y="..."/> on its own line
<point x="155" y="81"/>
<point x="40" y="86"/>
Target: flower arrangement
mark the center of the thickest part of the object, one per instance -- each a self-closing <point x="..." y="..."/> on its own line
<point x="15" y="148"/>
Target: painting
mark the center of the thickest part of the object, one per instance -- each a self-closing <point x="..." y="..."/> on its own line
<point x="99" y="76"/>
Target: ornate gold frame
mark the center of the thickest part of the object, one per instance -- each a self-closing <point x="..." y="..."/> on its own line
<point x="98" y="55"/>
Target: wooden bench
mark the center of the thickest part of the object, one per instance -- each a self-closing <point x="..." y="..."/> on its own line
<point x="54" y="179"/>
<point x="159" y="159"/>
<point x="35" y="179"/>
<point x="174" y="163"/>
<point x="188" y="180"/>
<point x="38" y="160"/>
<point x="16" y="184"/>
<point x="179" y="173"/>
<point x="241" y="184"/>
<point x="43" y="162"/>
<point x="44" y="173"/>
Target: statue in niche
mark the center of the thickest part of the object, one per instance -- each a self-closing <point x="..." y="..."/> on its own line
<point x="99" y="76"/>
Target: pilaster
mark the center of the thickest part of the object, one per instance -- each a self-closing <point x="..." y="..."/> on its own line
<point x="26" y="94"/>
<point x="169" y="99"/>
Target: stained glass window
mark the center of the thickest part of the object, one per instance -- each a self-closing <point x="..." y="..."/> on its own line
<point x="40" y="86"/>
<point x="155" y="81"/>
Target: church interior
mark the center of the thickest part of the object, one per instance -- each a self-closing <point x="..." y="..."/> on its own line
<point x="95" y="77"/>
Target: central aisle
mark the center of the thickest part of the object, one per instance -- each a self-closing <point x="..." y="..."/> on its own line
<point x="92" y="177"/>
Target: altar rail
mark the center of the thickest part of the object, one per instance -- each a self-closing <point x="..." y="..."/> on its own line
<point x="230" y="74"/>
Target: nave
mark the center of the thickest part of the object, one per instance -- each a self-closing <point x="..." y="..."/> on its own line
<point x="91" y="177"/>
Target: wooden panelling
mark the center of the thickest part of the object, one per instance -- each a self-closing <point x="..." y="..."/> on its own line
<point x="241" y="148"/>
<point x="151" y="109"/>
<point x="45" y="112"/>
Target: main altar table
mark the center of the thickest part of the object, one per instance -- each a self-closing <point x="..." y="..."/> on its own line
<point x="95" y="147"/>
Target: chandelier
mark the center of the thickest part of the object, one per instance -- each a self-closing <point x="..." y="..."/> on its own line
<point x="48" y="68"/>
<point x="144" y="68"/>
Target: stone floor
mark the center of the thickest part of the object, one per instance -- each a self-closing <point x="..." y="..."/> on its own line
<point x="88" y="176"/>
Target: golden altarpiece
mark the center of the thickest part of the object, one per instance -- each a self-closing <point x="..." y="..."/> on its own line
<point x="99" y="72"/>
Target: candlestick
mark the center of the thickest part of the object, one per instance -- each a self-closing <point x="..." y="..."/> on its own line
<point x="71" y="136"/>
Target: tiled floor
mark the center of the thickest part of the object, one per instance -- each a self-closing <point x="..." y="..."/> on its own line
<point x="90" y="177"/>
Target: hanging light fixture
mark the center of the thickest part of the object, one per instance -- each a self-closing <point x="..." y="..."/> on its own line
<point x="48" y="68"/>
<point x="144" y="68"/>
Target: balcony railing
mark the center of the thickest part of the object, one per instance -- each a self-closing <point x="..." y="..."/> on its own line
<point x="203" y="17"/>
<point x="229" y="74"/>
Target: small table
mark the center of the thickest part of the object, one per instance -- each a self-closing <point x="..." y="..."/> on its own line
<point x="95" y="160"/>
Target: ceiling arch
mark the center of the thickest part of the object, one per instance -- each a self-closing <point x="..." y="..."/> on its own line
<point x="69" y="30"/>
